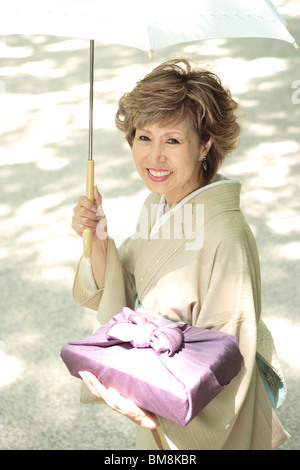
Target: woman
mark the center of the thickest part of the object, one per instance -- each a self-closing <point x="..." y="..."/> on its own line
<point x="193" y="257"/>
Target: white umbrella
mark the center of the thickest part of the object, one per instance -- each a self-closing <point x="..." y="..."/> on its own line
<point x="147" y="26"/>
<point x="150" y="26"/>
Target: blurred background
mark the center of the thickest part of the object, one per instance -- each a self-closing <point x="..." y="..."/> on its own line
<point x="44" y="91"/>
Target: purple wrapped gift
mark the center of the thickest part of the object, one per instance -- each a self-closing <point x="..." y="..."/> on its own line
<point x="171" y="369"/>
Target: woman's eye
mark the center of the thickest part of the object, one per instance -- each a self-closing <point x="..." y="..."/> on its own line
<point x="173" y="141"/>
<point x="144" y="138"/>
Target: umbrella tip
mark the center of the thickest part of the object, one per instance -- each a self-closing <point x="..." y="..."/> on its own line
<point x="295" y="45"/>
<point x="150" y="55"/>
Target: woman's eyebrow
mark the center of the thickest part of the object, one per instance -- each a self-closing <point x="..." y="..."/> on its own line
<point x="167" y="132"/>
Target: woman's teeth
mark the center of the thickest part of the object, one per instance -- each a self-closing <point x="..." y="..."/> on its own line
<point x="159" y="174"/>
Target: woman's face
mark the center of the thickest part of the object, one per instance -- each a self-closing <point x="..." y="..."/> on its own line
<point x="169" y="159"/>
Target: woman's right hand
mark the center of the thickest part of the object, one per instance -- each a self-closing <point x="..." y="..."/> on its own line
<point x="88" y="214"/>
<point x="122" y="405"/>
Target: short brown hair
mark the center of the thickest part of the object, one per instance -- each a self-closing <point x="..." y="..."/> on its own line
<point x="174" y="91"/>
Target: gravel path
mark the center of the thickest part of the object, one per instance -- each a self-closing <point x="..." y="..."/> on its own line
<point x="43" y="148"/>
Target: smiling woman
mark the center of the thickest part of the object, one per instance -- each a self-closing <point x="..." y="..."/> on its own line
<point x="199" y="267"/>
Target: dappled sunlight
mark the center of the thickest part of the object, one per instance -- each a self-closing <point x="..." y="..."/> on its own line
<point x="4" y="210"/>
<point x="55" y="163"/>
<point x="57" y="250"/>
<point x="67" y="45"/>
<point x="209" y="49"/>
<point x="38" y="205"/>
<point x="272" y="177"/>
<point x="285" y="222"/>
<point x="290" y="250"/>
<point x="270" y="161"/>
<point x="286" y="335"/>
<point x="291" y="8"/>
<point x="44" y="121"/>
<point x="240" y="74"/>
<point x="262" y="195"/>
<point x="25" y="151"/>
<point x="11" y="369"/>
<point x="262" y="129"/>
<point x="45" y="230"/>
<point x="39" y="69"/>
<point x="44" y="238"/>
<point x="8" y="52"/>
<point x="59" y="273"/>
<point x="273" y="149"/>
<point x="3" y="253"/>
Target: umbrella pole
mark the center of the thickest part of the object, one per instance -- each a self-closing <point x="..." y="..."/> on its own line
<point x="88" y="234"/>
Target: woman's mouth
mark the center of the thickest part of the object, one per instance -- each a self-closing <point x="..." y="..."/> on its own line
<point x="158" y="175"/>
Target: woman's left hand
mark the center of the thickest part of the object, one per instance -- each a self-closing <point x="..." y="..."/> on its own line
<point x="122" y="405"/>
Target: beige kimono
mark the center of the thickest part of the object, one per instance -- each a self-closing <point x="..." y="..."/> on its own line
<point x="200" y="267"/>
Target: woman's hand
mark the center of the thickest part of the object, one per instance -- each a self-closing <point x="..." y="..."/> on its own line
<point x="122" y="405"/>
<point x="90" y="215"/>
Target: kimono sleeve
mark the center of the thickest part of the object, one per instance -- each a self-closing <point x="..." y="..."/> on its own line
<point x="85" y="290"/>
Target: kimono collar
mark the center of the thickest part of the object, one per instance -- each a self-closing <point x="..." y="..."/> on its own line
<point x="164" y="212"/>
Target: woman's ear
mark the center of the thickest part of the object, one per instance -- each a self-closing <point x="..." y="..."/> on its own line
<point x="207" y="145"/>
<point x="205" y="148"/>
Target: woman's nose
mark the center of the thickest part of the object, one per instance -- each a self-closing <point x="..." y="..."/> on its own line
<point x="156" y="154"/>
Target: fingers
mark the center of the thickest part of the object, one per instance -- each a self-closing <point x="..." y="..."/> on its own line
<point x="95" y="386"/>
<point x="83" y="219"/>
<point x="118" y="403"/>
<point x="128" y="408"/>
<point x="85" y="203"/>
<point x="87" y="214"/>
<point x="97" y="197"/>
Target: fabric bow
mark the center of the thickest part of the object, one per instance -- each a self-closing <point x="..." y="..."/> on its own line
<point x="142" y="333"/>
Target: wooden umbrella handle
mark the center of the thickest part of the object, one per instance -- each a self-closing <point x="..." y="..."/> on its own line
<point x="87" y="233"/>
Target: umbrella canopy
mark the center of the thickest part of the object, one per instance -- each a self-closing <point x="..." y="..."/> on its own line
<point x="145" y="26"/>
